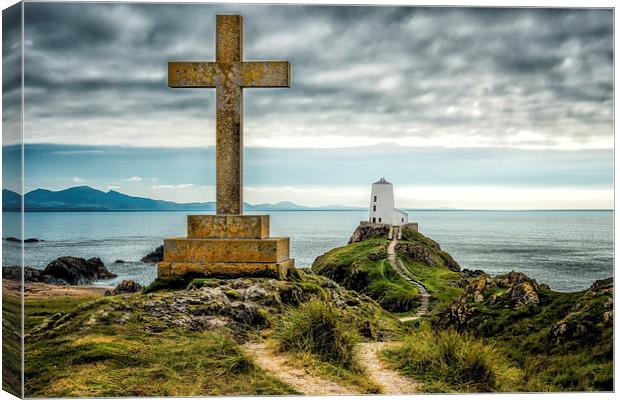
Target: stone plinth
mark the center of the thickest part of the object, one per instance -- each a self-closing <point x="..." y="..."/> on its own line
<point x="226" y="246"/>
<point x="226" y="250"/>
<point x="228" y="226"/>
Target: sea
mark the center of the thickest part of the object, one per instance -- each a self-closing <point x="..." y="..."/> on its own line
<point x="567" y="250"/>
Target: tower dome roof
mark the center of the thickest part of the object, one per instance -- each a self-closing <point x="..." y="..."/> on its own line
<point x="382" y="181"/>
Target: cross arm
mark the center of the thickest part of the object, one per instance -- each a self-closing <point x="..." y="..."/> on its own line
<point x="266" y="74"/>
<point x="191" y="74"/>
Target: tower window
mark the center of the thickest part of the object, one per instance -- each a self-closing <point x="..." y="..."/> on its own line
<point x="379" y="219"/>
<point x="374" y="220"/>
<point x="375" y="200"/>
<point x="402" y="220"/>
<point x="374" y="208"/>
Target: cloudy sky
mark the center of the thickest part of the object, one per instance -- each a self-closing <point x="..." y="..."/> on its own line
<point x="468" y="108"/>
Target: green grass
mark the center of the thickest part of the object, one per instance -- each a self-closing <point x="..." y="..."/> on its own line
<point x="11" y="342"/>
<point x="449" y="362"/>
<point x="111" y="359"/>
<point x="582" y="363"/>
<point x="316" y="328"/>
<point x="440" y="282"/>
<point x="37" y="310"/>
<point x="363" y="267"/>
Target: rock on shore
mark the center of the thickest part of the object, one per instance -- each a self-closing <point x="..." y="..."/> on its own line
<point x="154" y="256"/>
<point x="63" y="271"/>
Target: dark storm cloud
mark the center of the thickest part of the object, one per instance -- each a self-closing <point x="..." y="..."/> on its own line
<point x="413" y="76"/>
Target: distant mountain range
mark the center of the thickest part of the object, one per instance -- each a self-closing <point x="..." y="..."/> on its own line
<point x="85" y="198"/>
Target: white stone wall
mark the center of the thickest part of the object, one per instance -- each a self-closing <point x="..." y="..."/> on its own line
<point x="400" y="217"/>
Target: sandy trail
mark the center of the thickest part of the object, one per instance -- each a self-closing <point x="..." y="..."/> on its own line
<point x="280" y="366"/>
<point x="390" y="380"/>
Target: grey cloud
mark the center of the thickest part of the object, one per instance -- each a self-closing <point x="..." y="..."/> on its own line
<point x="439" y="69"/>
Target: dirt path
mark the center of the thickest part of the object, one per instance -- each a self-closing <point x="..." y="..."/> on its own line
<point x="402" y="271"/>
<point x="377" y="369"/>
<point x="281" y="367"/>
<point x="390" y="381"/>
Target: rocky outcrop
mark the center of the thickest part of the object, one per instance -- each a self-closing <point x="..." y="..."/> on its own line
<point x="75" y="271"/>
<point x="62" y="271"/>
<point x="126" y="286"/>
<point x="589" y="317"/>
<point x="419" y="248"/>
<point x="154" y="256"/>
<point x="449" y="261"/>
<point x="244" y="305"/>
<point x="417" y="252"/>
<point x="367" y="230"/>
<point x="513" y="289"/>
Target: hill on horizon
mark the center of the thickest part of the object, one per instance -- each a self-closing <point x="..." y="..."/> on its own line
<point x="86" y="198"/>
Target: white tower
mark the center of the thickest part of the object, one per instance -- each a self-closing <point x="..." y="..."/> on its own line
<point x="382" y="205"/>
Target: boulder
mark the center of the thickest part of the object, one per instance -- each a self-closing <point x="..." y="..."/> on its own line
<point x="126" y="286"/>
<point x="154" y="256"/>
<point x="468" y="273"/>
<point x="367" y="230"/>
<point x="14" y="273"/>
<point x="76" y="271"/>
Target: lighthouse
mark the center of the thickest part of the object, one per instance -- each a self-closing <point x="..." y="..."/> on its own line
<point x="382" y="210"/>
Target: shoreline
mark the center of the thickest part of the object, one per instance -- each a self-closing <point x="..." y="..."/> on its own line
<point x="38" y="290"/>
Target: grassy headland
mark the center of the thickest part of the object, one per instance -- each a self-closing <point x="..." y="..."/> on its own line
<point x="527" y="337"/>
<point x="188" y="342"/>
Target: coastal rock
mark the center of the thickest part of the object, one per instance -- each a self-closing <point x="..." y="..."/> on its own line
<point x="417" y="252"/>
<point x="468" y="273"/>
<point x="76" y="271"/>
<point x="17" y="240"/>
<point x="15" y="273"/>
<point x="154" y="256"/>
<point x="366" y="230"/>
<point x="513" y="290"/>
<point x="589" y="317"/>
<point x="127" y="286"/>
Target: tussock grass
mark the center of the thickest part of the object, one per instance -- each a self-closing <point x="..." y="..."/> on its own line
<point x="448" y="361"/>
<point x="316" y="328"/>
<point x="111" y="360"/>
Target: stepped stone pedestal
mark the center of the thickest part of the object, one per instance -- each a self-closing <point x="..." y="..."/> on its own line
<point x="226" y="246"/>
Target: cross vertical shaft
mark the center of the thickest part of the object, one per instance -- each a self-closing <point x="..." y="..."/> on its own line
<point x="229" y="115"/>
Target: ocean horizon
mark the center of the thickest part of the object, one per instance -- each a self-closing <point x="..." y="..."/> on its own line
<point x="566" y="249"/>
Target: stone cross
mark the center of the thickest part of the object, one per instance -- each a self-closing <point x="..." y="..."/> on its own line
<point x="229" y="74"/>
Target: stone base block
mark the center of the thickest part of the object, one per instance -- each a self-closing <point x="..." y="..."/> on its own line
<point x="176" y="270"/>
<point x="186" y="250"/>
<point x="228" y="226"/>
